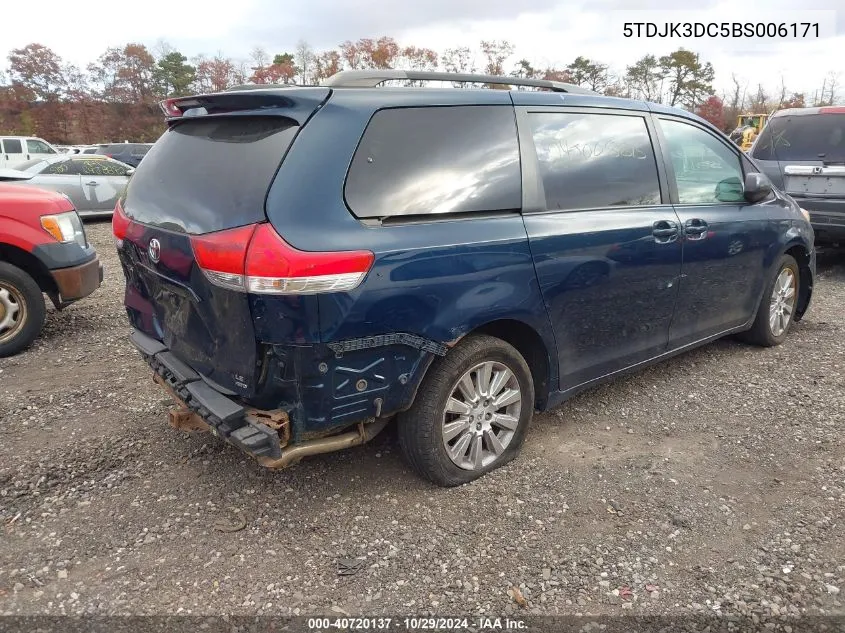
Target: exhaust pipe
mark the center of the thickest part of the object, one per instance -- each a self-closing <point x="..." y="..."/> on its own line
<point x="184" y="419"/>
<point x="293" y="454"/>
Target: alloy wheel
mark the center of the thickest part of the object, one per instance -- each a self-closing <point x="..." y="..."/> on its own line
<point x="482" y="415"/>
<point x="782" y="304"/>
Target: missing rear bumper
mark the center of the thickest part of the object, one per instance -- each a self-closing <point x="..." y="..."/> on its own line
<point x="262" y="434"/>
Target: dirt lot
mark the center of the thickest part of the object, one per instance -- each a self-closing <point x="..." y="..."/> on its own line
<point x="714" y="482"/>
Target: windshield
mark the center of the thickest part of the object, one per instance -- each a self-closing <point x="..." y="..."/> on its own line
<point x="812" y="137"/>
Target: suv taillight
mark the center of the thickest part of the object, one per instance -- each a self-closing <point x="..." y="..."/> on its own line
<point x="119" y="224"/>
<point x="255" y="258"/>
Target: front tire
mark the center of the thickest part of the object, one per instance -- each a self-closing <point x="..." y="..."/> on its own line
<point x="22" y="310"/>
<point x="777" y="306"/>
<point x="471" y="413"/>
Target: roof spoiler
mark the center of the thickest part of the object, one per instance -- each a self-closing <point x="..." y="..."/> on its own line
<point x="271" y="101"/>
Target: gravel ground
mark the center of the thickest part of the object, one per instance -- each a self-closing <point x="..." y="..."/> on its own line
<point x="712" y="483"/>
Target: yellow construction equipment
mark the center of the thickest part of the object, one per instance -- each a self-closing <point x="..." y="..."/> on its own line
<point x="748" y="126"/>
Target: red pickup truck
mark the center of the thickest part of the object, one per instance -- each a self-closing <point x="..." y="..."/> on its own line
<point x="43" y="250"/>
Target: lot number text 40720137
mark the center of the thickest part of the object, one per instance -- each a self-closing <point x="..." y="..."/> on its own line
<point x="414" y="624"/>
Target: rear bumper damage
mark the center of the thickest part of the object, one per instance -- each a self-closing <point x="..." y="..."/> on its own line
<point x="263" y="434"/>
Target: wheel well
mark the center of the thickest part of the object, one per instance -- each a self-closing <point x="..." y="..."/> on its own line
<point x="528" y="343"/>
<point x="31" y="265"/>
<point x="805" y="278"/>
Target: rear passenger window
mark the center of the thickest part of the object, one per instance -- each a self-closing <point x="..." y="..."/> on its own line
<point x="592" y="161"/>
<point x="421" y="161"/>
<point x="94" y="167"/>
<point x="61" y="168"/>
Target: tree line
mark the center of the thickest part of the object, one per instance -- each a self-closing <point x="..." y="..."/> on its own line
<point x="115" y="97"/>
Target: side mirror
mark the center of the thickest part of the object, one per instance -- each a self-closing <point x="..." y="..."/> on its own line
<point x="130" y="171"/>
<point x="758" y="187"/>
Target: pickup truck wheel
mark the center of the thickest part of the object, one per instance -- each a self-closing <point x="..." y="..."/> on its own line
<point x="22" y="310"/>
<point x="777" y="306"/>
<point x="471" y="412"/>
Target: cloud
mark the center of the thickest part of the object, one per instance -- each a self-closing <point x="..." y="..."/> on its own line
<point x="327" y="23"/>
<point x="547" y="32"/>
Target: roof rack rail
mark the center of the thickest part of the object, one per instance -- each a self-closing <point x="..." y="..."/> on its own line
<point x="372" y="78"/>
<point x="241" y="87"/>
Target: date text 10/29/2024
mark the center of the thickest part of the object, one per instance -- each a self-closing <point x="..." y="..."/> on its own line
<point x="415" y="624"/>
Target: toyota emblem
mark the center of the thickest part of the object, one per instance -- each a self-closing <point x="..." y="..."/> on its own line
<point x="154" y="250"/>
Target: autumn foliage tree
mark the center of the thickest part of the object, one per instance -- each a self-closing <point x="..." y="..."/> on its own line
<point x="36" y="71"/>
<point x="713" y="111"/>
<point x="115" y="97"/>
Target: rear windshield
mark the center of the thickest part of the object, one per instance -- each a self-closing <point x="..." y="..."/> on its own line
<point x="810" y="137"/>
<point x="209" y="174"/>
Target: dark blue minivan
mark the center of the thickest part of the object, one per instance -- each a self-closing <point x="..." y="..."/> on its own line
<point x="305" y="263"/>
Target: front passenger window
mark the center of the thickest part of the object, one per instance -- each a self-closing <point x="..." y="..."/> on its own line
<point x="706" y="171"/>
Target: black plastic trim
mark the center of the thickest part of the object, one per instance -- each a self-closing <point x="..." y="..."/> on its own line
<point x="217" y="404"/>
<point x="63" y="255"/>
<point x="146" y="344"/>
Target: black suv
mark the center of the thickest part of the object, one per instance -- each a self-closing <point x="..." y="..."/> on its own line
<point x="128" y="153"/>
<point x="803" y="151"/>
<point x="303" y="264"/>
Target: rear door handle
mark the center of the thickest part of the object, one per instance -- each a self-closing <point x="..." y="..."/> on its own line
<point x="93" y="183"/>
<point x="665" y="231"/>
<point x="696" y="228"/>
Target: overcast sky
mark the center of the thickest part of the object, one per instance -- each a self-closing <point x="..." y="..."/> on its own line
<point x="545" y="31"/>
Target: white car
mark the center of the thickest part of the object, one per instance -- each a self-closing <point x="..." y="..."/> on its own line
<point x="93" y="183"/>
<point x="15" y="150"/>
<point x="82" y="149"/>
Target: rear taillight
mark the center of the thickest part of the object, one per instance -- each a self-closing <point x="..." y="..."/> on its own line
<point x="832" y="110"/>
<point x="119" y="224"/>
<point x="169" y="107"/>
<point x="256" y="259"/>
<point x="177" y="106"/>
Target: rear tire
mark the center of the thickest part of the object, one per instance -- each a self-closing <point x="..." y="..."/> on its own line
<point x="777" y="306"/>
<point x="471" y="413"/>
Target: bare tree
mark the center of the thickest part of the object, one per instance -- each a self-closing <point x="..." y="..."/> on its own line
<point x="760" y="103"/>
<point x="783" y="92"/>
<point x="259" y="57"/>
<point x="832" y="87"/>
<point x="305" y="60"/>
<point x="819" y="97"/>
<point x="163" y="48"/>
<point x="459" y="60"/>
